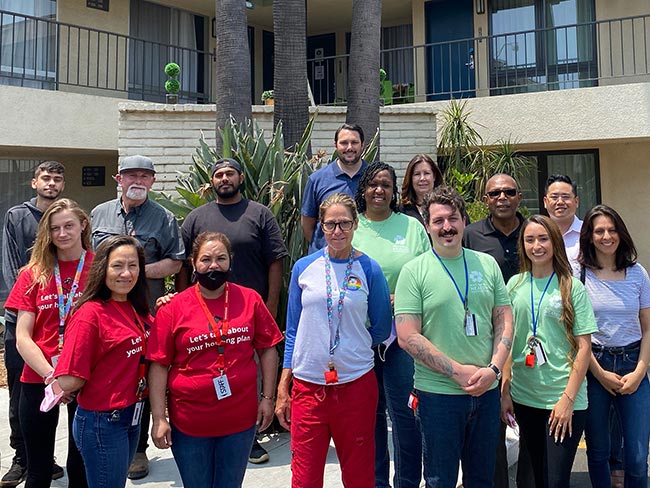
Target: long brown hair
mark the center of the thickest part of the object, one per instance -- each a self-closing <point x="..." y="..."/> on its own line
<point x="562" y="269"/>
<point x="408" y="192"/>
<point x="41" y="262"/>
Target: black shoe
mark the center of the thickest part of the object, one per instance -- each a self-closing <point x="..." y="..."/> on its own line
<point x="57" y="471"/>
<point x="258" y="454"/>
<point x="14" y="476"/>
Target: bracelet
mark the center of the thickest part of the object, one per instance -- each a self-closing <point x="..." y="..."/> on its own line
<point x="266" y="397"/>
<point x="572" y="400"/>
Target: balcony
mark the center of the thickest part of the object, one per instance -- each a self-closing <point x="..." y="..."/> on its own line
<point x="42" y="53"/>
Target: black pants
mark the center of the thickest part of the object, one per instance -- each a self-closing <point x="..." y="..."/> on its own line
<point x="551" y="461"/>
<point x="39" y="433"/>
<point x="14" y="365"/>
<point x="144" y="426"/>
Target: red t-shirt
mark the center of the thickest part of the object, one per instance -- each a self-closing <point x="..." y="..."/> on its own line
<point x="181" y="339"/>
<point x="104" y="348"/>
<point x="44" y="302"/>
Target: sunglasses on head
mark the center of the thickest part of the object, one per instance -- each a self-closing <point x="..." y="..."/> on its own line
<point x="509" y="192"/>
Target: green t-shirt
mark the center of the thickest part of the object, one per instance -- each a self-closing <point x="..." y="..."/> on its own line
<point x="424" y="288"/>
<point x="542" y="386"/>
<point x="392" y="243"/>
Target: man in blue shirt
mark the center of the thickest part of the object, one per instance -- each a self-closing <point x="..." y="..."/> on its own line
<point x="340" y="176"/>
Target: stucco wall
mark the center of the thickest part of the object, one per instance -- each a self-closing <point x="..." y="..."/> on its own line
<point x="169" y="134"/>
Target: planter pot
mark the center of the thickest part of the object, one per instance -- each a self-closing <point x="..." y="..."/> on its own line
<point x="171" y="98"/>
<point x="269" y="101"/>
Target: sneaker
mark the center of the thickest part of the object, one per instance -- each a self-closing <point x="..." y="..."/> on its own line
<point x="258" y="454"/>
<point x="14" y="476"/>
<point x="57" y="471"/>
<point x="139" y="466"/>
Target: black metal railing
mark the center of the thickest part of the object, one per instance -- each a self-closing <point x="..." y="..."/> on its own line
<point x="42" y="53"/>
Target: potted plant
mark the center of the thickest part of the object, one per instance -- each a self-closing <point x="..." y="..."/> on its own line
<point x="267" y="97"/>
<point x="172" y="85"/>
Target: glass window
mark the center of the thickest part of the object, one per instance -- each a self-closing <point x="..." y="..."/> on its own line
<point x="541" y="45"/>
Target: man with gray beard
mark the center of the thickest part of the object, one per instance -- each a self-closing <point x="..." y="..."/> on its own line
<point x="157" y="230"/>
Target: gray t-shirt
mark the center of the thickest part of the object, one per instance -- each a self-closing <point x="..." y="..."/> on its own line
<point x="616" y="306"/>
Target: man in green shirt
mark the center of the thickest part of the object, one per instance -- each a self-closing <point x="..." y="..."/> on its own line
<point x="453" y="315"/>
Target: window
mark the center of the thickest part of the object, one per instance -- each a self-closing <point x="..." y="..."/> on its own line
<point x="28" y="43"/>
<point x="581" y="166"/>
<point x="541" y="45"/>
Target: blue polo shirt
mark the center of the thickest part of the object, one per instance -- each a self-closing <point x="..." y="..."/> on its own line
<point x="320" y="185"/>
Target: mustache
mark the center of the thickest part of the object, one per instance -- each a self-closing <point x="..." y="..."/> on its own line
<point x="447" y="233"/>
<point x="137" y="187"/>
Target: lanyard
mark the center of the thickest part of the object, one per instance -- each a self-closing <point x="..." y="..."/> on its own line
<point x="532" y="302"/>
<point x="330" y="305"/>
<point x="460" y="295"/>
<point x="222" y="327"/>
<point x="66" y="305"/>
<point x="142" y="365"/>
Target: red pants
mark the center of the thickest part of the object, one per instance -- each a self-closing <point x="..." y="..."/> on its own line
<point x="344" y="413"/>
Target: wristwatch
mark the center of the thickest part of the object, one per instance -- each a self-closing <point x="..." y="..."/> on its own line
<point x="496" y="370"/>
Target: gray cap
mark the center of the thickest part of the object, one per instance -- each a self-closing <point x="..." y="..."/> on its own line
<point x="136" y="162"/>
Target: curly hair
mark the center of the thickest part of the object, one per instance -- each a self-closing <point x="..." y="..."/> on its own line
<point x="369" y="173"/>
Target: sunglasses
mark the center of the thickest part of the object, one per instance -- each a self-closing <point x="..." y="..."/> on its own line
<point x="509" y="192"/>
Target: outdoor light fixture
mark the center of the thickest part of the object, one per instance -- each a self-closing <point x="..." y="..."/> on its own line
<point x="480" y="6"/>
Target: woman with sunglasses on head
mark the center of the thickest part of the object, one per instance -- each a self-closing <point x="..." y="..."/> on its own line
<point x="421" y="177"/>
<point x="392" y="239"/>
<point x="339" y="307"/>
<point x="43" y="296"/>
<point x="544" y="387"/>
<point x="203" y="369"/>
<point x="104" y="360"/>
<point x="619" y="289"/>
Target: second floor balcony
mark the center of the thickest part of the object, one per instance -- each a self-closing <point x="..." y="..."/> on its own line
<point x="42" y="53"/>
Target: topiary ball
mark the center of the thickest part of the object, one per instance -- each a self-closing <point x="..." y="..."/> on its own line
<point x="172" y="69"/>
<point x="172" y="86"/>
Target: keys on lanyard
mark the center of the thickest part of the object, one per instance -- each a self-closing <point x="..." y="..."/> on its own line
<point x="536" y="352"/>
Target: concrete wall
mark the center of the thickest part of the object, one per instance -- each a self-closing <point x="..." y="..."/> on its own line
<point x="169" y="134"/>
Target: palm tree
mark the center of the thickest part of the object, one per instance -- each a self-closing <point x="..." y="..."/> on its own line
<point x="233" y="71"/>
<point x="290" y="69"/>
<point x="363" y="75"/>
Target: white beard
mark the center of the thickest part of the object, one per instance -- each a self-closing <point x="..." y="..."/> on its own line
<point x="136" y="192"/>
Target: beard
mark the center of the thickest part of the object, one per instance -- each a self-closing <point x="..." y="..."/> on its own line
<point x="227" y="192"/>
<point x="49" y="194"/>
<point x="136" y="192"/>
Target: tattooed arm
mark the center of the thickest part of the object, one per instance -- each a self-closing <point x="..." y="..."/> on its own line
<point x="503" y="330"/>
<point x="409" y="335"/>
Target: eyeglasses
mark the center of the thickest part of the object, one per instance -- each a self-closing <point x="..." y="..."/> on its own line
<point x="509" y="192"/>
<point x="554" y="197"/>
<point x="344" y="225"/>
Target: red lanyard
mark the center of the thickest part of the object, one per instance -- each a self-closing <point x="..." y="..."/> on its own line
<point x="142" y="369"/>
<point x="221" y="328"/>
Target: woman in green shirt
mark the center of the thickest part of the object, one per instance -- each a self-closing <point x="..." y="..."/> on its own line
<point x="546" y="389"/>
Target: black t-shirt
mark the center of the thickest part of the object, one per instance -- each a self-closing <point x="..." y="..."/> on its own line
<point x="254" y="235"/>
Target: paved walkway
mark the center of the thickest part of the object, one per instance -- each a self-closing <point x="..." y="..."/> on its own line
<point x="274" y="474"/>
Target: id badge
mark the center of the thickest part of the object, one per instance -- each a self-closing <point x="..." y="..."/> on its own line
<point x="540" y="355"/>
<point x="470" y="325"/>
<point x="222" y="387"/>
<point x="54" y="360"/>
<point x="137" y="413"/>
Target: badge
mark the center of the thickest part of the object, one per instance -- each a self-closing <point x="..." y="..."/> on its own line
<point x="470" y="324"/>
<point x="540" y="355"/>
<point x="222" y="387"/>
<point x="54" y="360"/>
<point x="137" y="413"/>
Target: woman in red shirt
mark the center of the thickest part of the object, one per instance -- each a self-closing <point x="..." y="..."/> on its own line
<point x="42" y="297"/>
<point x="104" y="358"/>
<point x="202" y="350"/>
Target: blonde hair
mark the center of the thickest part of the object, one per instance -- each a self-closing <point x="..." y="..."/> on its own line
<point x="338" y="199"/>
<point x="41" y="262"/>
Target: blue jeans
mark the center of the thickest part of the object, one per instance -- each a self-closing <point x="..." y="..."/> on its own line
<point x="206" y="462"/>
<point x="395" y="381"/>
<point x="107" y="443"/>
<point x="635" y="423"/>
<point x="459" y="427"/>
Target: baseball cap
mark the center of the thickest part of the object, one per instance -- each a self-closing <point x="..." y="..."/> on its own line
<point x="226" y="163"/>
<point x="136" y="162"/>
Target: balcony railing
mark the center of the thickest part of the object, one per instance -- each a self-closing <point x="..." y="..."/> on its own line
<point x="42" y="53"/>
<point x="610" y="51"/>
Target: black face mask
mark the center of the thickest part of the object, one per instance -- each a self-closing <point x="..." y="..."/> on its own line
<point x="212" y="279"/>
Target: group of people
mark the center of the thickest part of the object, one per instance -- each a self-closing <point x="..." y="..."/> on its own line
<point x="400" y="310"/>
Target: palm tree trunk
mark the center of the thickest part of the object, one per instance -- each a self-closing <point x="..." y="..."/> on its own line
<point x="363" y="76"/>
<point x="290" y="69"/>
<point x="233" y="69"/>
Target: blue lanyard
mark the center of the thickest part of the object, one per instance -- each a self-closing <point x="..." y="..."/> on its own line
<point x="532" y="302"/>
<point x="460" y="295"/>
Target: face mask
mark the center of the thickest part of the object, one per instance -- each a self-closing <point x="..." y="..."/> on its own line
<point x="212" y="279"/>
